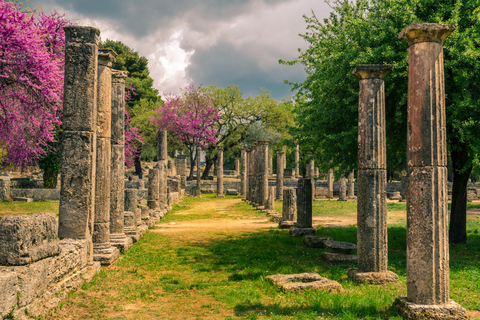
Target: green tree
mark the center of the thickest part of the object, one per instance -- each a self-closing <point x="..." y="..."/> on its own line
<point x="366" y="31"/>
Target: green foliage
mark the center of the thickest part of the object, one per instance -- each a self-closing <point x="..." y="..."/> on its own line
<point x="366" y="32"/>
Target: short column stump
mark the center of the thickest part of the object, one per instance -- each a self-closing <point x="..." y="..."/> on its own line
<point x="304" y="281"/>
<point x="449" y="311"/>
<point x="371" y="277"/>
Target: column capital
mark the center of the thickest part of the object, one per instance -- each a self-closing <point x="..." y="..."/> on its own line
<point x="426" y="32"/>
<point x="119" y="76"/>
<point x="106" y="57"/>
<point x="372" y="71"/>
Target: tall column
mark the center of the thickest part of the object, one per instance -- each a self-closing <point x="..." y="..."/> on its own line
<point x="102" y="249"/>
<point x="79" y="139"/>
<point x="297" y="160"/>
<point x="220" y="174"/>
<point x="199" y="173"/>
<point x="289" y="208"/>
<point x="162" y="158"/>
<point x="263" y="173"/>
<point x="280" y="160"/>
<point x="117" y="173"/>
<point x="311" y="174"/>
<point x="304" y="209"/>
<point x="427" y="239"/>
<point x="330" y="183"/>
<point x="243" y="173"/>
<point x="182" y="165"/>
<point x="162" y="145"/>
<point x="153" y="196"/>
<point x="132" y="213"/>
<point x="255" y="197"/>
<point x="284" y="150"/>
<point x="351" y="185"/>
<point x="343" y="189"/>
<point x="372" y="175"/>
<point x="270" y="163"/>
<point x="237" y="167"/>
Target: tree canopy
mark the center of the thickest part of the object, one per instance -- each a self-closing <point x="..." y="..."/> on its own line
<point x="366" y="32"/>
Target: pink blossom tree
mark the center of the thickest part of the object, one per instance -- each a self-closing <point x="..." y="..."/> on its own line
<point x="31" y="83"/>
<point x="192" y="117"/>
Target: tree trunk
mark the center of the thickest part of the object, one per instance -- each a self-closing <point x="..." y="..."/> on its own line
<point x="50" y="174"/>
<point x="458" y="213"/>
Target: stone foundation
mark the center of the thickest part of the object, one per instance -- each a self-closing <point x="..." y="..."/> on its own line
<point x="449" y="311"/>
<point x="372" y="277"/>
<point x="304" y="281"/>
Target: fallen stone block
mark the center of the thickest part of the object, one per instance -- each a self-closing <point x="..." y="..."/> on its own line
<point x="286" y="224"/>
<point x="23" y="199"/>
<point x="315" y="242"/>
<point x="300" y="232"/>
<point x="339" y="258"/>
<point x="26" y="239"/>
<point x="304" y="281"/>
<point x="372" y="277"/>
<point x="340" y="247"/>
<point x="8" y="291"/>
<point x="231" y="192"/>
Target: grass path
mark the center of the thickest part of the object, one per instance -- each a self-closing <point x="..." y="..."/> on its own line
<point x="208" y="259"/>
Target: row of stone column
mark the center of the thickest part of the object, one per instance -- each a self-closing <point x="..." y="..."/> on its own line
<point x="94" y="205"/>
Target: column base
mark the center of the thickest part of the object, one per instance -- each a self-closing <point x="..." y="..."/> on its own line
<point x="300" y="232"/>
<point x="106" y="256"/>
<point x="285" y="224"/>
<point x="449" y="311"/>
<point x="120" y="241"/>
<point x="371" y="277"/>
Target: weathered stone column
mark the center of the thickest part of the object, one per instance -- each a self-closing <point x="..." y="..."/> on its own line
<point x="270" y="163"/>
<point x="196" y="191"/>
<point x="270" y="206"/>
<point x="182" y="165"/>
<point x="162" y="145"/>
<point x="237" y="167"/>
<point x="79" y="140"/>
<point x="117" y="173"/>
<point x="330" y="183"/>
<point x="351" y="185"/>
<point x="255" y="182"/>
<point x="131" y="215"/>
<point x="102" y="249"/>
<point x="284" y="150"/>
<point x="262" y="173"/>
<point x="310" y="174"/>
<point x="220" y="174"/>
<point x="251" y="174"/>
<point x="427" y="238"/>
<point x="153" y="200"/>
<point x="372" y="178"/>
<point x="280" y="160"/>
<point x="243" y="173"/>
<point x="162" y="158"/>
<point x="297" y="161"/>
<point x="343" y="189"/>
<point x="304" y="209"/>
<point x="289" y="208"/>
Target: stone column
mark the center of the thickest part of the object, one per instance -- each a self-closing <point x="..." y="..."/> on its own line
<point x="297" y="160"/>
<point x="79" y="139"/>
<point x="404" y="188"/>
<point x="220" y="174"/>
<point x="427" y="216"/>
<point x="284" y="150"/>
<point x="372" y="177"/>
<point x="117" y="173"/>
<point x="304" y="209"/>
<point x="182" y="165"/>
<point x="153" y="200"/>
<point x="280" y="160"/>
<point x="343" y="189"/>
<point x="243" y="173"/>
<point x="251" y="174"/>
<point x="162" y="145"/>
<point x="270" y="163"/>
<point x="310" y="175"/>
<point x="196" y="191"/>
<point x="132" y="214"/>
<point x="330" y="183"/>
<point x="263" y="173"/>
<point x="351" y="185"/>
<point x="289" y="208"/>
<point x="237" y="167"/>
<point x="102" y="249"/>
<point x="270" y="206"/>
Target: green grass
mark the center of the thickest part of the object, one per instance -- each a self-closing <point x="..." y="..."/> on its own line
<point x="222" y="276"/>
<point x="8" y="208"/>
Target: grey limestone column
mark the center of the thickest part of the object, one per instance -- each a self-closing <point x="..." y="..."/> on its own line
<point x="280" y="160"/>
<point x="117" y="173"/>
<point x="289" y="205"/>
<point x="102" y="249"/>
<point x="372" y="164"/>
<point x="351" y="185"/>
<point x="153" y="200"/>
<point x="132" y="214"/>
<point x="427" y="216"/>
<point x="330" y="183"/>
<point x="79" y="139"/>
<point x="297" y="161"/>
<point x="343" y="189"/>
<point x="304" y="203"/>
<point x="162" y="145"/>
<point x="237" y="167"/>
<point x="220" y="173"/>
<point x="243" y="178"/>
<point x="263" y="173"/>
<point x="182" y="165"/>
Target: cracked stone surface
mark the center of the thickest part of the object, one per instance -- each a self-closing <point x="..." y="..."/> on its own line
<point x="304" y="281"/>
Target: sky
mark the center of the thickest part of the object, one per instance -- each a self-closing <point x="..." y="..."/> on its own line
<point x="227" y="42"/>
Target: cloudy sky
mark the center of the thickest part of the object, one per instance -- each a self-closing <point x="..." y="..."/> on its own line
<point x="229" y="42"/>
